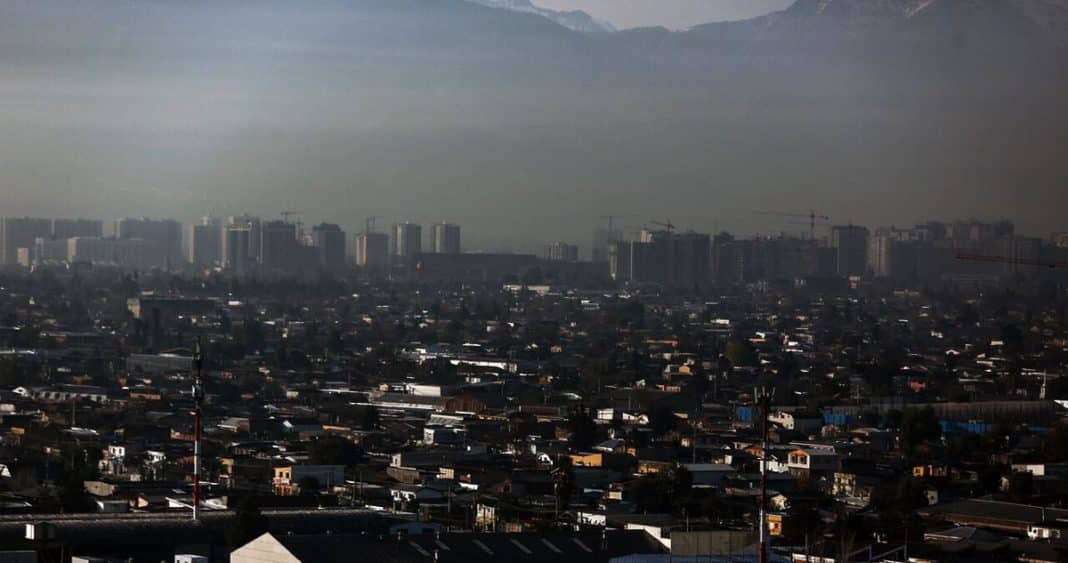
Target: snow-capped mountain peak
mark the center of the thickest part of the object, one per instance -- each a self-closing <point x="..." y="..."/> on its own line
<point x="576" y="20"/>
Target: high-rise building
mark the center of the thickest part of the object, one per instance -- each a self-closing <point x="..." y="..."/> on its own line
<point x="70" y="228"/>
<point x="663" y="257"/>
<point x="253" y="224"/>
<point x="561" y="252"/>
<point x="49" y="251"/>
<point x="1018" y="249"/>
<point x="21" y="232"/>
<point x="204" y="243"/>
<point x="407" y="239"/>
<point x="688" y="258"/>
<point x="126" y="253"/>
<point x="236" y="258"/>
<point x="163" y="234"/>
<point x="602" y="242"/>
<point x="880" y="254"/>
<point x="445" y="238"/>
<point x="850" y="243"/>
<point x="329" y="241"/>
<point x="729" y="260"/>
<point x="279" y="250"/>
<point x="372" y="250"/>
<point x="781" y="258"/>
<point x="619" y="260"/>
<point x="977" y="231"/>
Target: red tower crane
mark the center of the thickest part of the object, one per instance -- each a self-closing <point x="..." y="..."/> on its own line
<point x="812" y="217"/>
<point x="1011" y="260"/>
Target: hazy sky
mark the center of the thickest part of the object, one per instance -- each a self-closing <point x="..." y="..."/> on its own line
<point x="513" y="127"/>
<point x="669" y="13"/>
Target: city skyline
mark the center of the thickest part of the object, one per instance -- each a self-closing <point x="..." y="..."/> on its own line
<point x="661" y="254"/>
<point x="488" y="240"/>
<point x="430" y="407"/>
<point x="462" y="281"/>
<point x="562" y="125"/>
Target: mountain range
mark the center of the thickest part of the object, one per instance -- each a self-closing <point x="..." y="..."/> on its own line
<point x="575" y="20"/>
<point x="513" y="123"/>
<point x="916" y="21"/>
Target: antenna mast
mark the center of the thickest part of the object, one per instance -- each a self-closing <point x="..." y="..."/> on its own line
<point x="762" y="398"/>
<point x="198" y="395"/>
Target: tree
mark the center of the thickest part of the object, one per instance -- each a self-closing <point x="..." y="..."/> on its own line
<point x="740" y="353"/>
<point x="247" y="524"/>
<point x="1021" y="485"/>
<point x="565" y="484"/>
<point x="308" y="485"/>
<point x="908" y="495"/>
<point x="335" y="450"/>
<point x="868" y="417"/>
<point x="647" y="495"/>
<point x="893" y="419"/>
<point x="71" y="492"/>
<point x="918" y="427"/>
<point x="369" y="418"/>
<point x="681" y="486"/>
<point x="666" y="492"/>
<point x="662" y="419"/>
<point x="632" y="313"/>
<point x="583" y="429"/>
<point x="1057" y="442"/>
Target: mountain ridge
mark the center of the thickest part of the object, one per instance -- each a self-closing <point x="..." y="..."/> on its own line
<point x="575" y="20"/>
<point x="445" y="107"/>
<point x="909" y="20"/>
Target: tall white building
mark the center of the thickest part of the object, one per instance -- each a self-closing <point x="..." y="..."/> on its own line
<point x="329" y="242"/>
<point x="851" y="247"/>
<point x="561" y="252"/>
<point x="236" y="258"/>
<point x="204" y="243"/>
<point x="70" y="228"/>
<point x="372" y="250"/>
<point x="21" y="232"/>
<point x="407" y="239"/>
<point x="164" y="234"/>
<point x="445" y="238"/>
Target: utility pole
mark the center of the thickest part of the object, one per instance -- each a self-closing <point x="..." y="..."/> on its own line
<point x="198" y="365"/>
<point x="762" y="398"/>
<point x="693" y="444"/>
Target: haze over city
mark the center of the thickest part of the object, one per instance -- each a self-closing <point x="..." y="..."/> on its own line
<point x="522" y="129"/>
<point x="472" y="281"/>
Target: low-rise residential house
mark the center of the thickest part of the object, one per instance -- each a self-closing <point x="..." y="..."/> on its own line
<point x="804" y="463"/>
<point x="407" y="495"/>
<point x="444" y="435"/>
<point x="848" y="484"/>
<point x="709" y="474"/>
<point x="64" y="393"/>
<point x="1048" y="530"/>
<point x="799" y="422"/>
<point x="287" y="479"/>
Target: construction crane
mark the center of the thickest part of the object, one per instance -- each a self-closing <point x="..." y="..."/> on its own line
<point x="667" y="225"/>
<point x="1011" y="260"/>
<point x="812" y="217"/>
<point x="287" y="214"/>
